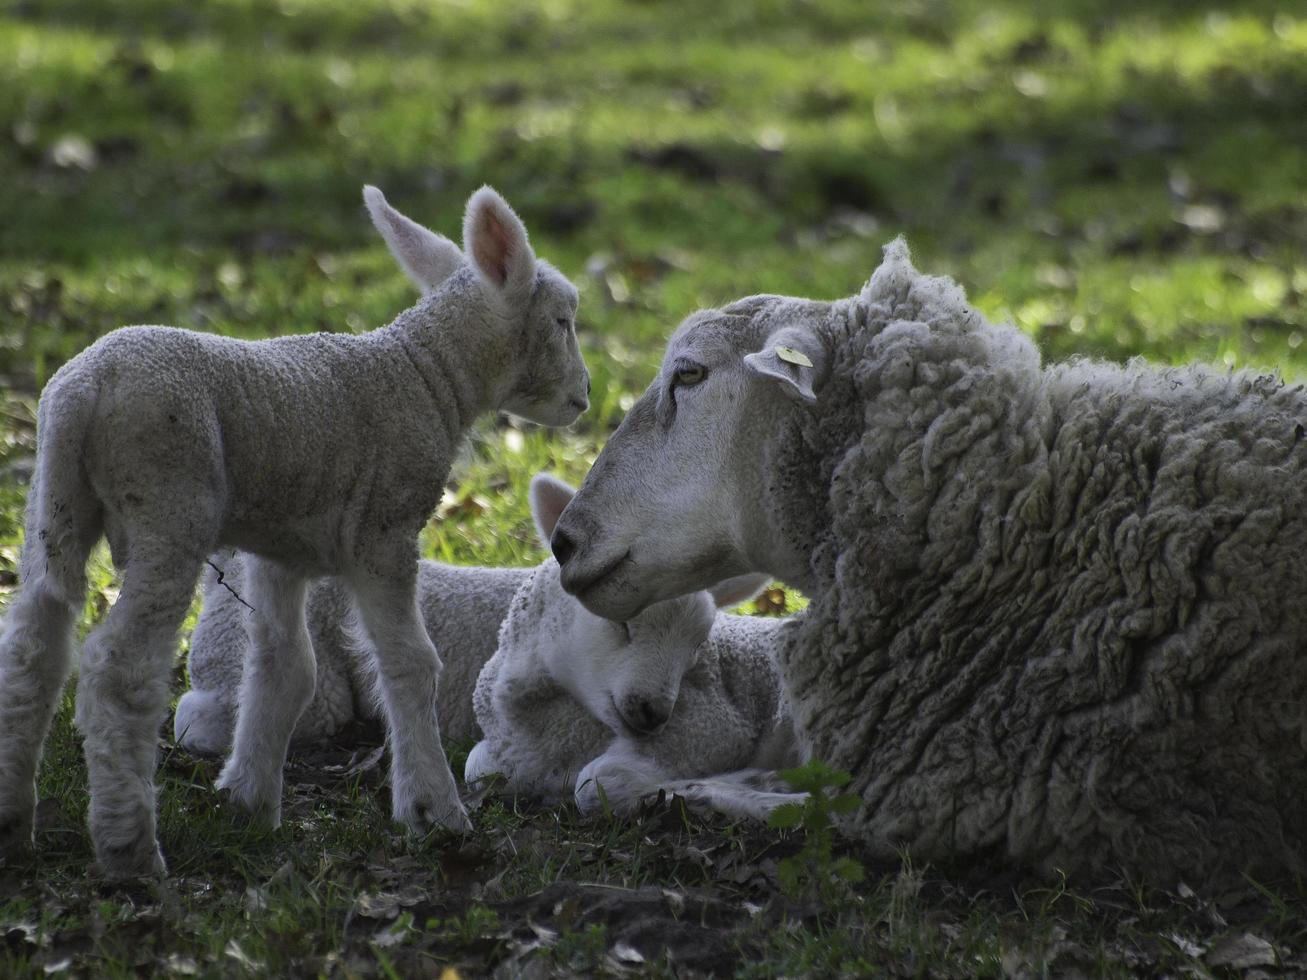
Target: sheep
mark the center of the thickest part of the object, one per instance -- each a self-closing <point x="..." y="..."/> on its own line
<point x="320" y="453"/>
<point x="1057" y="611"/>
<point x="571" y="702"/>
<point x="461" y="608"/>
<point x="710" y="674"/>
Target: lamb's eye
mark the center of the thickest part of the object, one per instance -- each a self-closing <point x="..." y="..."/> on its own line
<point x="689" y="374"/>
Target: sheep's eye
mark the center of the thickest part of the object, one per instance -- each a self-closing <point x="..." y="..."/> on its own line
<point x="563" y="321"/>
<point x="689" y="374"/>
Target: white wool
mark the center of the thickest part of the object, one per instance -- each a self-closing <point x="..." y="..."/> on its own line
<point x="319" y="454"/>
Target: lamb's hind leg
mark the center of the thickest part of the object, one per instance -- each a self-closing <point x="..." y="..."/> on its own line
<point x="122" y="698"/>
<point x="276" y="687"/>
<point x="423" y="792"/>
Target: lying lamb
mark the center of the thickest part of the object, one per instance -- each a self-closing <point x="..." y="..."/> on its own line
<point x="1057" y="612"/>
<point x="571" y="702"/>
<point x="323" y="453"/>
<point x="461" y="608"/>
<point x="711" y="674"/>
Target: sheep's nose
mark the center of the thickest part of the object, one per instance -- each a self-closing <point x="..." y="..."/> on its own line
<point x="562" y="546"/>
<point x="646" y="717"/>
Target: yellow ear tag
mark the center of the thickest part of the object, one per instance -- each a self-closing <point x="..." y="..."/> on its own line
<point x="792" y="356"/>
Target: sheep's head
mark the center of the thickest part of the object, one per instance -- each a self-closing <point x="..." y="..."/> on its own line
<point x="626" y="673"/>
<point x="531" y="300"/>
<point x="677" y="499"/>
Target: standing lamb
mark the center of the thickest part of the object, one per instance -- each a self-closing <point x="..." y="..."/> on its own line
<point x="318" y="454"/>
<point x="571" y="701"/>
<point x="1057" y="612"/>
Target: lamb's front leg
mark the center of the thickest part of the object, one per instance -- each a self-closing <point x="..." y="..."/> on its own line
<point x="627" y="776"/>
<point x="423" y="792"/>
<point x="276" y="687"/>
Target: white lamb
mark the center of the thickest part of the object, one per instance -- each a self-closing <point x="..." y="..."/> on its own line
<point x="571" y="702"/>
<point x="611" y="686"/>
<point x="461" y="608"/>
<point x="323" y="453"/>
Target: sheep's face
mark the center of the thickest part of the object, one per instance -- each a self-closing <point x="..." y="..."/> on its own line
<point x="551" y="385"/>
<point x="676" y="500"/>
<point x="627" y="673"/>
<point x="544" y="379"/>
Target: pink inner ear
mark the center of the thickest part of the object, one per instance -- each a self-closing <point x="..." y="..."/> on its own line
<point x="493" y="246"/>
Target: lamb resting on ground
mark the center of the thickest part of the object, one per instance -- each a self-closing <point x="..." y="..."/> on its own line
<point x="1057" y="612"/>
<point x="319" y="454"/>
<point x="461" y="608"/>
<point x="678" y="693"/>
<point x="571" y="702"/>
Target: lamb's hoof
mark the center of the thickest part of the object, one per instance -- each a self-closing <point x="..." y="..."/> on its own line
<point x="421" y="816"/>
<point x="136" y="859"/>
<point x="260" y="809"/>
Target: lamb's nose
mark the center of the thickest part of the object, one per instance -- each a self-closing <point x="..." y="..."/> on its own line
<point x="562" y="546"/>
<point x="646" y="717"/>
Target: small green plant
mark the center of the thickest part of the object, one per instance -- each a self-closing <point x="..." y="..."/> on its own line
<point x="815" y="870"/>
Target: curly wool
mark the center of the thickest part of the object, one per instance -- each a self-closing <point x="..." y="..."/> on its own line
<point x="1059" y="611"/>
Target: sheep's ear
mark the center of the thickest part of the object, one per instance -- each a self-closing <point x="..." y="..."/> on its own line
<point x="428" y="259"/>
<point x="495" y="240"/>
<point x="794" y="357"/>
<point x="733" y="591"/>
<point x="549" y="497"/>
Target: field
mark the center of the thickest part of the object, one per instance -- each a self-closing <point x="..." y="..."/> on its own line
<point x="1117" y="178"/>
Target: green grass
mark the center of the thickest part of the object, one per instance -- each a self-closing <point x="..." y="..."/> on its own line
<point x="1116" y="178"/>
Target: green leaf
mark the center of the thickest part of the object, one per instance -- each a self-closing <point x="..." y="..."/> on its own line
<point x="786" y="816"/>
<point x="844" y="804"/>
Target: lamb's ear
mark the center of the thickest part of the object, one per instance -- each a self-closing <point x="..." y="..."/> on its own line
<point x="549" y="496"/>
<point x="495" y="240"/>
<point x="733" y="591"/>
<point x="794" y="357"/>
<point x="428" y="259"/>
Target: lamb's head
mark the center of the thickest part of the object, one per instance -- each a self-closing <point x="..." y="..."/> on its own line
<point x="626" y="673"/>
<point x="674" y="503"/>
<point x="526" y="297"/>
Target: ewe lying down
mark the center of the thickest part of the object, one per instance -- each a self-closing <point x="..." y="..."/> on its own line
<point x="323" y="453"/>
<point x="1057" y="612"/>
<point x="675" y="694"/>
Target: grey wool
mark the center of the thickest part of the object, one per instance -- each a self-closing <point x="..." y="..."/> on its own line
<point x="318" y="454"/>
<point x="1057" y="611"/>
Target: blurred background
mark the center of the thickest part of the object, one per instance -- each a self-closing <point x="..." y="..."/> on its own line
<point x="1118" y="178"/>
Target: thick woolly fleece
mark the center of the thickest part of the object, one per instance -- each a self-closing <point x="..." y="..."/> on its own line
<point x="728" y="715"/>
<point x="461" y="608"/>
<point x="1058" y="614"/>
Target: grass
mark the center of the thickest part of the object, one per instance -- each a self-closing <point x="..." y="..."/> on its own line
<point x="1118" y="179"/>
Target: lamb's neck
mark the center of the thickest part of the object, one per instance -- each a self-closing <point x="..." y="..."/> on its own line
<point x="459" y="353"/>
